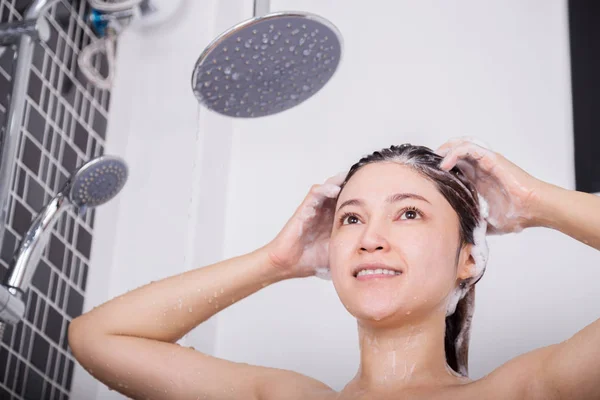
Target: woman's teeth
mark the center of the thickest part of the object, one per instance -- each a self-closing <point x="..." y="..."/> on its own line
<point x="377" y="271"/>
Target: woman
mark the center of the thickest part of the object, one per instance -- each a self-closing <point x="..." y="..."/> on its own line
<point x="409" y="215"/>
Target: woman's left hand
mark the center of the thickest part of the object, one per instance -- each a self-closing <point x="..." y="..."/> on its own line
<point x="511" y="193"/>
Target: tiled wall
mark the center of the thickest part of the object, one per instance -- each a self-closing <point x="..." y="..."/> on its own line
<point x="64" y="125"/>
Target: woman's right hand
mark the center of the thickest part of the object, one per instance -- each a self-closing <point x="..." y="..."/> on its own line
<point x="302" y="246"/>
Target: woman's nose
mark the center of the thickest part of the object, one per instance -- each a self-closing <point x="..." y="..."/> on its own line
<point x="373" y="239"/>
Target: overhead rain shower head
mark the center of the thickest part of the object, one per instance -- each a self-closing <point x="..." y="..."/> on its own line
<point x="267" y="64"/>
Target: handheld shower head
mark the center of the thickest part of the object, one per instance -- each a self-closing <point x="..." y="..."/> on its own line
<point x="93" y="184"/>
<point x="97" y="181"/>
<point x="267" y="64"/>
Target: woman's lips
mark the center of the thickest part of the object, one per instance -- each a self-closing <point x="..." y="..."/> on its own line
<point x="376" y="276"/>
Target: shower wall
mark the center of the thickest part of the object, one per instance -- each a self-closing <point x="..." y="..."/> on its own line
<point x="64" y="125"/>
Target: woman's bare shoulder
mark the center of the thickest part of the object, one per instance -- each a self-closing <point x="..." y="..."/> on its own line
<point x="290" y="385"/>
<point x="518" y="378"/>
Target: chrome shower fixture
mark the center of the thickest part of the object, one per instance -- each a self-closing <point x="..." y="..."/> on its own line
<point x="93" y="184"/>
<point x="267" y="64"/>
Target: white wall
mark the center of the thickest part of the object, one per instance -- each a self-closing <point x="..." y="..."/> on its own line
<point x="163" y="222"/>
<point x="419" y="72"/>
<point x="412" y="71"/>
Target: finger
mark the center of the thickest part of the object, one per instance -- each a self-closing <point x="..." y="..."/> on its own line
<point x="457" y="141"/>
<point x="469" y="139"/>
<point x="337" y="179"/>
<point x="329" y="190"/>
<point x="463" y="151"/>
<point x="442" y="150"/>
<point x="468" y="169"/>
<point x="448" y="145"/>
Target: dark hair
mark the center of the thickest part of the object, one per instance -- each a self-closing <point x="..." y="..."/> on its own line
<point x="462" y="196"/>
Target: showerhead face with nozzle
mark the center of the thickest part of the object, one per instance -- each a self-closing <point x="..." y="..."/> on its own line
<point x="98" y="181"/>
<point x="267" y="64"/>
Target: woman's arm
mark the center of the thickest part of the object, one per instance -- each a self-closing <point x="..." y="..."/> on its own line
<point x="573" y="213"/>
<point x="128" y="342"/>
<point x="572" y="368"/>
<point x="517" y="200"/>
<point x="168" y="309"/>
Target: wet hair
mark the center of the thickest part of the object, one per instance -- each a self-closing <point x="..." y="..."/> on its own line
<point x="462" y="196"/>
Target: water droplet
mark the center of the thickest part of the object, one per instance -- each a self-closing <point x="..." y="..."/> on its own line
<point x="292" y="48"/>
<point x="306" y="88"/>
<point x="264" y="46"/>
<point x="254" y="31"/>
<point x="295" y="31"/>
<point x="248" y="44"/>
<point x="207" y="83"/>
<point x="306" y="52"/>
<point x="235" y="76"/>
<point x="227" y="70"/>
<point x="265" y="39"/>
<point x="254" y="57"/>
<point x="326" y="62"/>
<point x="293" y="96"/>
<point x="301" y="41"/>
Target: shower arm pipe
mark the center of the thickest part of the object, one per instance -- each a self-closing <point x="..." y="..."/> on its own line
<point x="16" y="109"/>
<point x="27" y="256"/>
<point x="24" y="262"/>
<point x="261" y="7"/>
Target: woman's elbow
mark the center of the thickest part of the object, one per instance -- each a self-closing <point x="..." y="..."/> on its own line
<point x="77" y="333"/>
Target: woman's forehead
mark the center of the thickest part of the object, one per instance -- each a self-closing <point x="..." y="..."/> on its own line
<point x="385" y="178"/>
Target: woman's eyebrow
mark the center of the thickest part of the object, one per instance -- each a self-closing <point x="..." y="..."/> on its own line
<point x="391" y="199"/>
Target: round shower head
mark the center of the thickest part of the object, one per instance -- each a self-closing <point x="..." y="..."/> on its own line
<point x="267" y="64"/>
<point x="98" y="181"/>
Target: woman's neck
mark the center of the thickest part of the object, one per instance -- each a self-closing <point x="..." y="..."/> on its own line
<point x="395" y="358"/>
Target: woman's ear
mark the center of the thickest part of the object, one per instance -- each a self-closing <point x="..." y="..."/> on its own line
<point x="466" y="263"/>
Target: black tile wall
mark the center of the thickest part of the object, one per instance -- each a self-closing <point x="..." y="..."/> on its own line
<point x="64" y="125"/>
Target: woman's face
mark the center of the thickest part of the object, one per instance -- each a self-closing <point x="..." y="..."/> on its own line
<point x="389" y="214"/>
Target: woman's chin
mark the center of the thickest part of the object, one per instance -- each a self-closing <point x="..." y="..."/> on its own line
<point x="376" y="311"/>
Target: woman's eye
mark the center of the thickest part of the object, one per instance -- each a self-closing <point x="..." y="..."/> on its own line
<point x="349" y="219"/>
<point x="410" y="214"/>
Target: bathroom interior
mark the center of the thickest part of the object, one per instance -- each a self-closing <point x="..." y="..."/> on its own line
<point x="116" y="91"/>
